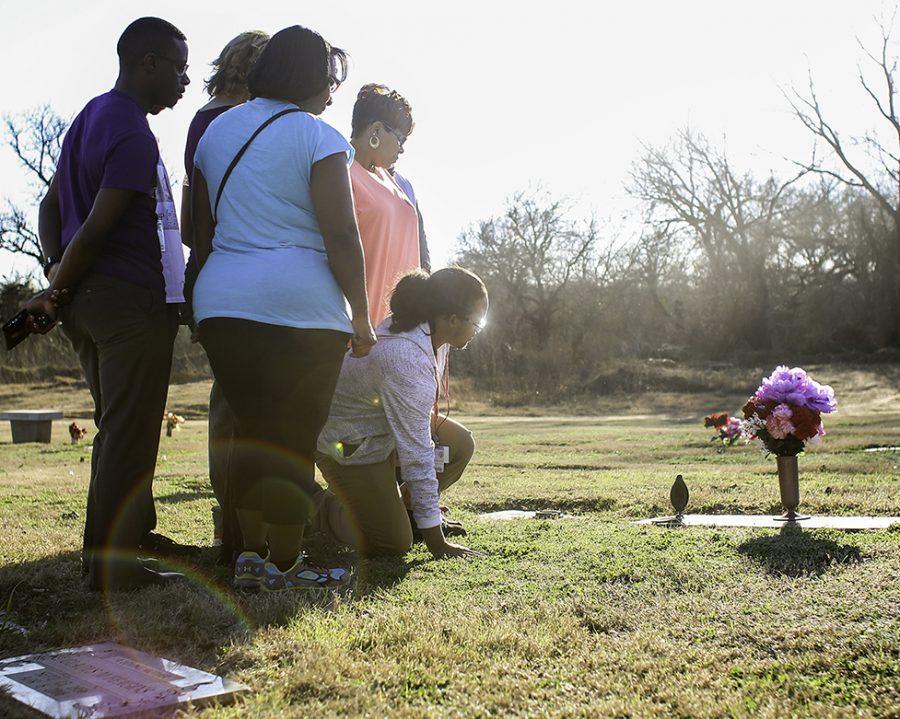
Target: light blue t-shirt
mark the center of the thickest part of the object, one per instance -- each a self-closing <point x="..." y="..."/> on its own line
<point x="268" y="262"/>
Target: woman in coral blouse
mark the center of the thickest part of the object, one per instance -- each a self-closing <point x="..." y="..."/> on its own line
<point x="387" y="217"/>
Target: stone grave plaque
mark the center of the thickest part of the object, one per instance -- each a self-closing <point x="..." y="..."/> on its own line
<point x="108" y="680"/>
<point x="767" y="520"/>
<point x="507" y="514"/>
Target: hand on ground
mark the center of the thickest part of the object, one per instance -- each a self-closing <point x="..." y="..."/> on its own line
<point x="450" y="551"/>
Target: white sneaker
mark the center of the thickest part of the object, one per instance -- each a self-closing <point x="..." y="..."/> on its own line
<point x="303" y="576"/>
<point x="249" y="570"/>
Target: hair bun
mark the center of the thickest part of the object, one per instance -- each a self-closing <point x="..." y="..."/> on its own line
<point x="420" y="297"/>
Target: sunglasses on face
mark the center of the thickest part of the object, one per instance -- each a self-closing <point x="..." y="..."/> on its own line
<point x="401" y="139"/>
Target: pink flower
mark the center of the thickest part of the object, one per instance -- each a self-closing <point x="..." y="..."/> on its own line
<point x="778" y="425"/>
<point x="782" y="410"/>
<point x="732" y="430"/>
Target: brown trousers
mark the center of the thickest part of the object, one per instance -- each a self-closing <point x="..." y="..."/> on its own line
<point x="364" y="506"/>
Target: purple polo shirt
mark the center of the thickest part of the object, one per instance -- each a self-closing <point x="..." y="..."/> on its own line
<point x="110" y="145"/>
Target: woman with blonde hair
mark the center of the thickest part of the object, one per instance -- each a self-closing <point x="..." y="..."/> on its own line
<point x="227" y="88"/>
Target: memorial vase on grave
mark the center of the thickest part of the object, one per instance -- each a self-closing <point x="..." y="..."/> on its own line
<point x="789" y="487"/>
<point x="785" y="415"/>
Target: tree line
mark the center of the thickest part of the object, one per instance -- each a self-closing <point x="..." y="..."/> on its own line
<point x="727" y="264"/>
<point x="724" y="263"/>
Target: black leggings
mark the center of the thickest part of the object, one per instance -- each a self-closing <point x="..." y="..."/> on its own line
<point x="278" y="382"/>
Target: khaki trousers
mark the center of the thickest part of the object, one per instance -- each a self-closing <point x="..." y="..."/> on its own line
<point x="364" y="506"/>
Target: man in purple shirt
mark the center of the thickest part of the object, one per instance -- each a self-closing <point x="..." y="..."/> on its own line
<point x="103" y="243"/>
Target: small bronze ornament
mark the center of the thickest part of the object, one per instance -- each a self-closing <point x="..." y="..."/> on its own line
<point x="679" y="496"/>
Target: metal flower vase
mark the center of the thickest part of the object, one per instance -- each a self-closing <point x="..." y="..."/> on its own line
<point x="789" y="487"/>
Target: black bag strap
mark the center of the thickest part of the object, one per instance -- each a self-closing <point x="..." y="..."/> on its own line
<point x="240" y="154"/>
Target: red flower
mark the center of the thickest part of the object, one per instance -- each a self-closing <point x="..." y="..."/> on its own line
<point x="763" y="411"/>
<point x="749" y="408"/>
<point x="716" y="420"/>
<point x="760" y="409"/>
<point x="805" y="421"/>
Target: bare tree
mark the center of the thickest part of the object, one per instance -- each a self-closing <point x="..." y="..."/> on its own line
<point x="534" y="251"/>
<point x="36" y="139"/>
<point x="692" y="192"/>
<point x="654" y="257"/>
<point x="870" y="162"/>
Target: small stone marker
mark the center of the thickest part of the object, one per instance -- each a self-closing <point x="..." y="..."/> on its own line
<point x="31" y="425"/>
<point x="108" y="680"/>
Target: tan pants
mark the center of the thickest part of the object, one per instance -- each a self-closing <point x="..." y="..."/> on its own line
<point x="364" y="507"/>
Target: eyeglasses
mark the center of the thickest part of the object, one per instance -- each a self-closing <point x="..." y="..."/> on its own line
<point x="182" y="71"/>
<point x="333" y="84"/>
<point x="476" y="326"/>
<point x="400" y="138"/>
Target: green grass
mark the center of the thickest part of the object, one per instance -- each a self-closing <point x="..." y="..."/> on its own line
<point x="592" y="616"/>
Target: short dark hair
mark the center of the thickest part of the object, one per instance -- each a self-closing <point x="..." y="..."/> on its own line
<point x="146" y="34"/>
<point x="377" y="102"/>
<point x="296" y="64"/>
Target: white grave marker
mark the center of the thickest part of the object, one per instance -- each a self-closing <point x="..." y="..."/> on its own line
<point x="108" y="680"/>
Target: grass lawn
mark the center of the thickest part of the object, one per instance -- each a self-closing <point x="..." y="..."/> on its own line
<point x="591" y="616"/>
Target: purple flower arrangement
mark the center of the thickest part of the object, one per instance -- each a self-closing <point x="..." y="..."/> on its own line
<point x="786" y="411"/>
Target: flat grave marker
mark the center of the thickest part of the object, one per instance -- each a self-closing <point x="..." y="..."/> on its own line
<point x="506" y="514"/>
<point x="108" y="680"/>
<point x="768" y="520"/>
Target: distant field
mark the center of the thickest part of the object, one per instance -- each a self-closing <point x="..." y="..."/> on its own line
<point x="591" y="616"/>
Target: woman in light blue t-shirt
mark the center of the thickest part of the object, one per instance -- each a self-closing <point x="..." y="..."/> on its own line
<point x="280" y="260"/>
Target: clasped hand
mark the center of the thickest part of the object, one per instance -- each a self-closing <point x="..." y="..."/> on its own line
<point x="45" y="304"/>
<point x="363" y="336"/>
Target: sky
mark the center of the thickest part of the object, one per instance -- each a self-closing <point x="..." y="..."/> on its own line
<point x="506" y="96"/>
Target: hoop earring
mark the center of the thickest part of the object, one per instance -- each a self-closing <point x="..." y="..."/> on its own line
<point x="374" y="142"/>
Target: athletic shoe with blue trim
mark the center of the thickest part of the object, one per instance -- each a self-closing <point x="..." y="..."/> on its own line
<point x="303" y="576"/>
